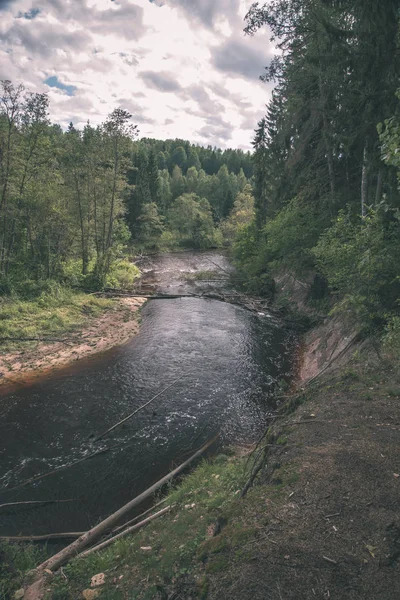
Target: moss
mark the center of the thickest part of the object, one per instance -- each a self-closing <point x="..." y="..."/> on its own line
<point x="282" y="440"/>
<point x="217" y="564"/>
<point x="213" y="546"/>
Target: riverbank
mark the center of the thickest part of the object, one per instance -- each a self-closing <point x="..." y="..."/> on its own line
<point x="39" y="338"/>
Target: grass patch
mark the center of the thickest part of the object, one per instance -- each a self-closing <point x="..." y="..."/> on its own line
<point x="51" y="314"/>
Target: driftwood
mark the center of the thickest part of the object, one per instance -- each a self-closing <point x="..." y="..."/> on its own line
<point x="74" y="534"/>
<point x="91" y="536"/>
<point x="125" y="532"/>
<point x="41" y="538"/>
<point x="33" y="503"/>
<point x="255" y="306"/>
<point x="353" y="341"/>
<point x="137" y="410"/>
<point x="33" y="339"/>
<point x="138" y="517"/>
<point x="77" y="462"/>
<point x="218" y="266"/>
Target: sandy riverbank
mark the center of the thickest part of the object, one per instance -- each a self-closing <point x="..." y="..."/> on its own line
<point x="114" y="327"/>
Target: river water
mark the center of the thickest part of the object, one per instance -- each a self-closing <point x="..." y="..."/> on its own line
<point x="230" y="359"/>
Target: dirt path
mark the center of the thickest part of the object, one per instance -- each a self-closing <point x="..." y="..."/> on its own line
<point x="114" y="327"/>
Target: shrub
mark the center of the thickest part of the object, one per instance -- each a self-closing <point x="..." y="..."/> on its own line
<point x="291" y="235"/>
<point x="122" y="274"/>
<point x="391" y="337"/>
<point x="357" y="259"/>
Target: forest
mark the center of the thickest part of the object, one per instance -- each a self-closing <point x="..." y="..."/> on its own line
<point x="294" y="400"/>
<point x="75" y="204"/>
<point x="319" y="194"/>
<point x="326" y="156"/>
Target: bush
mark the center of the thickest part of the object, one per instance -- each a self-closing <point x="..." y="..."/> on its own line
<point x="357" y="259"/>
<point x="122" y="274"/>
<point x="391" y="337"/>
<point x="249" y="250"/>
<point x="292" y="234"/>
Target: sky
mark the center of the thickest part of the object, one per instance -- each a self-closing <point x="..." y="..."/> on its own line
<point x="182" y="68"/>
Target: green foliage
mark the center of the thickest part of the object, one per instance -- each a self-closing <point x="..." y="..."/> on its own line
<point x="15" y="561"/>
<point x="242" y="214"/>
<point x="249" y="251"/>
<point x="151" y="224"/>
<point x="122" y="274"/>
<point x="61" y="194"/>
<point x="389" y="136"/>
<point x="190" y="219"/>
<point x="356" y="258"/>
<point x="291" y="235"/>
<point x="391" y="337"/>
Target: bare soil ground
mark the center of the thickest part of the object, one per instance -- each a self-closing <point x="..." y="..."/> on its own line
<point x="114" y="327"/>
<point x="327" y="513"/>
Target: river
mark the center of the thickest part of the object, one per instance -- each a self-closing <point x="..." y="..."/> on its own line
<point x="230" y="360"/>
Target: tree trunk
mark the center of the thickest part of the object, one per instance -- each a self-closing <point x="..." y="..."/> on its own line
<point x="85" y="260"/>
<point x="379" y="184"/>
<point x="364" y="179"/>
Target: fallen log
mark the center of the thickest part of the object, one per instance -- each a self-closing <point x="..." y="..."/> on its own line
<point x="34" y="339"/>
<point x="99" y="437"/>
<point x="125" y="532"/>
<point x="74" y="534"/>
<point x="146" y="512"/>
<point x="33" y="502"/>
<point x="91" y="536"/>
<point x="41" y="538"/>
<point x="218" y="266"/>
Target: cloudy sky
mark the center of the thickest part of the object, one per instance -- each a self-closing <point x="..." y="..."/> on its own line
<point x="183" y="68"/>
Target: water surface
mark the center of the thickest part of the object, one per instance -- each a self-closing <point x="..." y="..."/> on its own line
<point x="230" y="358"/>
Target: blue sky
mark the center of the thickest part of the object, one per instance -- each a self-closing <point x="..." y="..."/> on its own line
<point x="183" y="68"/>
<point x="54" y="82"/>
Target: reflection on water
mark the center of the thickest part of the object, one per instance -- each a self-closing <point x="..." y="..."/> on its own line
<point x="230" y="359"/>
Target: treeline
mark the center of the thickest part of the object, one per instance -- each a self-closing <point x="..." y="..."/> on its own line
<point x="71" y="202"/>
<point x="181" y="153"/>
<point x="157" y="195"/>
<point x="326" y="166"/>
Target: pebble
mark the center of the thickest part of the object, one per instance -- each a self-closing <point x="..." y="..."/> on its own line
<point x="97" y="580"/>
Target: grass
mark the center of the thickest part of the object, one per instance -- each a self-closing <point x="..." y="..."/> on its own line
<point x="52" y="313"/>
<point x="15" y="561"/>
<point x="181" y="543"/>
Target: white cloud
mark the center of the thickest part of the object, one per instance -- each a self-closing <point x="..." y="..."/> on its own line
<point x="183" y="68"/>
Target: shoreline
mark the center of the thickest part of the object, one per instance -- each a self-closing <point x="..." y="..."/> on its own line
<point x="114" y="327"/>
